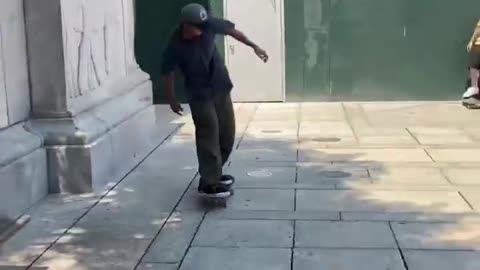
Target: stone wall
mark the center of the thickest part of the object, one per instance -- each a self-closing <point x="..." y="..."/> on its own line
<point x="70" y="66"/>
<point x="14" y="89"/>
<point x="23" y="166"/>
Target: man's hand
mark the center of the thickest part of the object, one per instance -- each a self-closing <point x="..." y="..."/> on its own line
<point x="261" y="53"/>
<point x="176" y="107"/>
<point x="470" y="46"/>
<point x="238" y="35"/>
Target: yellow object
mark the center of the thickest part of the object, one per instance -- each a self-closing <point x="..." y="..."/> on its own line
<point x="476" y="40"/>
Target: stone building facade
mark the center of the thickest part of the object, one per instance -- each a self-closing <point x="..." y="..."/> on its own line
<point x="76" y="110"/>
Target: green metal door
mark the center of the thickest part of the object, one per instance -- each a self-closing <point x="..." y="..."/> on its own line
<point x="377" y="49"/>
<point x="155" y="21"/>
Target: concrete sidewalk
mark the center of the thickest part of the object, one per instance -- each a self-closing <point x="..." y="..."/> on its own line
<point x="320" y="186"/>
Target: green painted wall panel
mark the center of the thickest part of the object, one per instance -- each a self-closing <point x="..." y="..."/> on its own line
<point x="377" y="49"/>
<point x="155" y="21"/>
<point x="347" y="49"/>
<point x="366" y="38"/>
<point x="295" y="50"/>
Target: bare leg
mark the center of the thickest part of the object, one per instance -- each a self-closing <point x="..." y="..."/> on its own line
<point x="474" y="77"/>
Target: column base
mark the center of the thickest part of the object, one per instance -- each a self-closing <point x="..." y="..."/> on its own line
<point x="95" y="149"/>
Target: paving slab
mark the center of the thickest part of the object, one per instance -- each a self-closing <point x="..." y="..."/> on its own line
<point x="173" y="241"/>
<point x="381" y="201"/>
<point x="325" y="141"/>
<point x="410" y="217"/>
<point x="247" y="175"/>
<point x="110" y="221"/>
<point x="472" y="196"/>
<point x="149" y="197"/>
<point x="444" y="139"/>
<point x="387" y="140"/>
<point x="262" y="199"/>
<point x="455" y="155"/>
<point x="49" y="220"/>
<point x="245" y="233"/>
<point x="435" y="131"/>
<point x="408" y="176"/>
<point x="381" y="131"/>
<point x="312" y="129"/>
<point x="347" y="259"/>
<point x="244" y="199"/>
<point x="273" y="215"/>
<point x="391" y="186"/>
<point x="473" y="132"/>
<point x="265" y="154"/>
<point x="92" y="254"/>
<point x="325" y="234"/>
<point x="375" y="155"/>
<point x="269" y="138"/>
<point x="157" y="266"/>
<point x="237" y="259"/>
<point x="463" y="176"/>
<point x="442" y="260"/>
<point x="441" y="236"/>
<point x="288" y="115"/>
<point x="322" y="112"/>
<point x="331" y="174"/>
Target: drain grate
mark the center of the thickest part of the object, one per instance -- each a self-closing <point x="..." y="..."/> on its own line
<point x="271" y="131"/>
<point x="335" y="174"/>
<point x="327" y="139"/>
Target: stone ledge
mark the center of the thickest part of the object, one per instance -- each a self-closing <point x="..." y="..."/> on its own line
<point x="23" y="183"/>
<point x="90" y="125"/>
<point x="16" y="142"/>
<point x="96" y="166"/>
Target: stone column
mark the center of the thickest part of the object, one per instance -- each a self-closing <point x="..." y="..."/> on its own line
<point x="91" y="103"/>
<point x="23" y="167"/>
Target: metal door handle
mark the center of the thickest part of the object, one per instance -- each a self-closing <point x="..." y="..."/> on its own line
<point x="232" y="49"/>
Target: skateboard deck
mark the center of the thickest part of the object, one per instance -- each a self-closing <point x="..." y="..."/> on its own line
<point x="217" y="201"/>
<point x="471" y="104"/>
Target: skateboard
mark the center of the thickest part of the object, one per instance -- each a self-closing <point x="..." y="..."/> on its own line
<point x="217" y="201"/>
<point x="471" y="103"/>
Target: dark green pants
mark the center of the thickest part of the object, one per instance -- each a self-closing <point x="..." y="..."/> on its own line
<point x="215" y="135"/>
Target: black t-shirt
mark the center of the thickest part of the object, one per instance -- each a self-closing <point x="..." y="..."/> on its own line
<point x="199" y="60"/>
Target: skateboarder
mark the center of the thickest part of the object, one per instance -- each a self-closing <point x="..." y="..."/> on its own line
<point x="208" y="85"/>
<point x="473" y="48"/>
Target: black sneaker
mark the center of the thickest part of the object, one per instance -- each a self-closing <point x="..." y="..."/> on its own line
<point x="217" y="191"/>
<point x="227" y="180"/>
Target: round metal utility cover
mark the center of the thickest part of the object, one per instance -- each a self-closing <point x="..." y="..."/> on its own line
<point x="260" y="174"/>
<point x="335" y="174"/>
<point x="327" y="139"/>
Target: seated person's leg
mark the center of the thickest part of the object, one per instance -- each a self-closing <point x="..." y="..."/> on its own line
<point x="473" y="90"/>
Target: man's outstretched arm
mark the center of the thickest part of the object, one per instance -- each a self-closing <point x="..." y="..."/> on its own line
<point x="475" y="35"/>
<point x="238" y="35"/>
<point x="169" y="63"/>
<point x="169" y="79"/>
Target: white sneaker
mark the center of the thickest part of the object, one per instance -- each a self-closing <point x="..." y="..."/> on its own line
<point x="471" y="91"/>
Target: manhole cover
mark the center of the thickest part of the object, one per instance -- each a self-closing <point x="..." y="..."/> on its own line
<point x="327" y="139"/>
<point x="260" y="174"/>
<point x="271" y="131"/>
<point x="335" y="174"/>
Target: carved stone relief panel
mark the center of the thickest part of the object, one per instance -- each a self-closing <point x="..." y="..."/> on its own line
<point x="129" y="22"/>
<point x="14" y="87"/>
<point x="93" y="44"/>
<point x="3" y="88"/>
